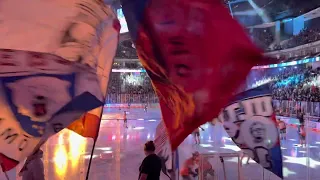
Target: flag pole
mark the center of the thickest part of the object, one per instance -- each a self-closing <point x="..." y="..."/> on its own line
<point x="90" y="161"/>
<point x="7" y="177"/>
<point x="4" y="172"/>
<point x="173" y="173"/>
<point x="98" y="129"/>
<point x="94" y="145"/>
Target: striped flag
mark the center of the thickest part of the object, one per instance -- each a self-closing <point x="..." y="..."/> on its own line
<point x="170" y="160"/>
<point x="161" y="137"/>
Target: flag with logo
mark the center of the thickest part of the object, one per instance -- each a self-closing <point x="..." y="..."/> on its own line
<point x="250" y="121"/>
<point x="193" y="59"/>
<point x="48" y="69"/>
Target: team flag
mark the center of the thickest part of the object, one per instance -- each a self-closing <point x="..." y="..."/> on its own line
<point x="195" y="54"/>
<point x="250" y="121"/>
<point x="39" y="100"/>
<point x="50" y="55"/>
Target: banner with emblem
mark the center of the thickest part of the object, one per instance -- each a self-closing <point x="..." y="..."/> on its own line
<point x="250" y="122"/>
<point x="55" y="61"/>
<point x="190" y="60"/>
<point x="39" y="96"/>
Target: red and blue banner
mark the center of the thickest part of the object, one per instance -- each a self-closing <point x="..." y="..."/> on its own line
<point x="196" y="54"/>
<point x="250" y="121"/>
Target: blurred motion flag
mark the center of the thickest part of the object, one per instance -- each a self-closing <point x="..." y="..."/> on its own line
<point x="54" y="56"/>
<point x="195" y="54"/>
<point x="250" y="121"/>
<point x="88" y="125"/>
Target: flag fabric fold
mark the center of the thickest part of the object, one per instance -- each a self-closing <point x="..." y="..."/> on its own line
<point x="250" y="122"/>
<point x="53" y="69"/>
<point x="88" y="125"/>
<point x="196" y="55"/>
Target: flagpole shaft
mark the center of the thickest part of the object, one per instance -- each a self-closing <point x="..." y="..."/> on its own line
<point x="91" y="156"/>
<point x="306" y="127"/>
<point x="94" y="144"/>
<point x="4" y="172"/>
<point x="173" y="173"/>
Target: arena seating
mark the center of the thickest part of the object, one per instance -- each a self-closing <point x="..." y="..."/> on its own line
<point x="298" y="83"/>
<point x="126" y="88"/>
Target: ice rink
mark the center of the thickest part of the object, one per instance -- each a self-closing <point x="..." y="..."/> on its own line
<point x="119" y="151"/>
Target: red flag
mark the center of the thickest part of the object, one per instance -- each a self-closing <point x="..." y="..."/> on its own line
<point x="195" y="54"/>
<point x="7" y="163"/>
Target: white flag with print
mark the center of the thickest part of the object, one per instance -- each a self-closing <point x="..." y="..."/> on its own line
<point x="55" y="59"/>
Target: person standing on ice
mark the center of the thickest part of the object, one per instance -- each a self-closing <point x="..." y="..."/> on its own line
<point x="146" y="108"/>
<point x="34" y="169"/>
<point x="125" y="120"/>
<point x="282" y="129"/>
<point x="196" y="135"/>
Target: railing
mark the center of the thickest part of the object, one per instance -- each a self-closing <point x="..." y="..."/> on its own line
<point x="290" y="108"/>
<point x="302" y="50"/>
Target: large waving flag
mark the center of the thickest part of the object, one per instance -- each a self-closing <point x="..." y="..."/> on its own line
<point x="40" y="100"/>
<point x="50" y="55"/>
<point x="250" y="121"/>
<point x="195" y="54"/>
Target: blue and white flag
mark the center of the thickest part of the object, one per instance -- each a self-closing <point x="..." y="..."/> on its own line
<point x="55" y="60"/>
<point x="250" y="122"/>
<point x="40" y="100"/>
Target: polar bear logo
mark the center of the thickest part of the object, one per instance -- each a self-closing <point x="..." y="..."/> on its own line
<point x="39" y="97"/>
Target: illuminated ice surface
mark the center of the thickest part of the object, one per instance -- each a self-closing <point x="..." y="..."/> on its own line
<point x="119" y="151"/>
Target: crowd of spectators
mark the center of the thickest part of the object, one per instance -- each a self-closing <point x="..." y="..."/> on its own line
<point x="265" y="39"/>
<point x="294" y="83"/>
<point x="126" y="53"/>
<point x="304" y="37"/>
<point x="130" y="88"/>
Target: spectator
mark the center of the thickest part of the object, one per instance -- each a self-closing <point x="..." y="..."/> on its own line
<point x="151" y="165"/>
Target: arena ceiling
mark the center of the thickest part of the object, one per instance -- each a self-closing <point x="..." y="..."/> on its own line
<point x="272" y="9"/>
<point x="248" y="12"/>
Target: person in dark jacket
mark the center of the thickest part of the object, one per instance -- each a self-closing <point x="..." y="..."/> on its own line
<point x="151" y="164"/>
